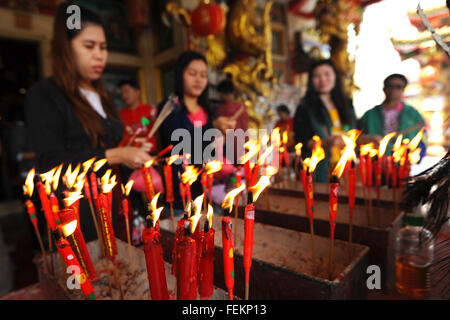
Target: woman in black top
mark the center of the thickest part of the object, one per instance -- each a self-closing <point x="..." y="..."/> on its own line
<point x="193" y="111"/>
<point x="69" y="116"/>
<point x="324" y="111"/>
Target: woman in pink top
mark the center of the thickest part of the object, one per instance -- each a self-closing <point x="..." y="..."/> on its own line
<point x="193" y="112"/>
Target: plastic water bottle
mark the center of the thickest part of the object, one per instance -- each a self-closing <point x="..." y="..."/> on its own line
<point x="414" y="257"/>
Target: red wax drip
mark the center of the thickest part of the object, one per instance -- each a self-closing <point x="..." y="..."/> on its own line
<point x="206" y="266"/>
<point x="155" y="264"/>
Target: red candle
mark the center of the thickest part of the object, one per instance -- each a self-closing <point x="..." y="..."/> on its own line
<point x="228" y="255"/>
<point x="309" y="196"/>
<point x="148" y="181"/>
<point x="32" y="213"/>
<point x="334" y="187"/>
<point x="187" y="268"/>
<point x="362" y="164"/>
<point x="151" y="239"/>
<point x="178" y="235"/>
<point x="72" y="262"/>
<point x="94" y="185"/>
<point x="46" y="205"/>
<point x="110" y="248"/>
<point x="369" y="171"/>
<point x="77" y="241"/>
<point x="182" y="193"/>
<point x="206" y="266"/>
<point x="351" y="188"/>
<point x="254" y="175"/>
<point x="169" y="186"/>
<point x="377" y="166"/>
<point x="249" y="221"/>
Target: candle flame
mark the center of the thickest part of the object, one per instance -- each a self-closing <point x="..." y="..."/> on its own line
<point x="318" y="154"/>
<point x="76" y="194"/>
<point x="384" y="142"/>
<point x="348" y="153"/>
<point x="149" y="163"/>
<point x="263" y="182"/>
<point x="100" y="163"/>
<point x="47" y="179"/>
<point x="194" y="219"/>
<point x="298" y="148"/>
<point x="190" y="175"/>
<point x="265" y="139"/>
<point x="263" y="157"/>
<point x="127" y="189"/>
<point x="253" y="149"/>
<point x="365" y="148"/>
<point x="213" y="166"/>
<point x="69" y="228"/>
<point x="354" y="134"/>
<point x="55" y="178"/>
<point x="270" y="171"/>
<point x="156" y="212"/>
<point x="108" y="183"/>
<point x="88" y="163"/>
<point x="416" y="140"/>
<point x="275" y="137"/>
<point x="71" y="176"/>
<point x="172" y="159"/>
<point x="229" y="198"/>
<point x="414" y="156"/>
<point x="29" y="184"/>
<point x="285" y="137"/>
<point x="209" y="215"/>
<point x="398" y="142"/>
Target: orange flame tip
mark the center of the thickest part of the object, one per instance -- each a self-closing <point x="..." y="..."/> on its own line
<point x="416" y="140"/>
<point x="156" y="212"/>
<point x="209" y="215"/>
<point x="229" y="198"/>
<point x="190" y="175"/>
<point x="71" y="176"/>
<point x="88" y="163"/>
<point x="100" y="163"/>
<point x="263" y="157"/>
<point x="69" y="228"/>
<point x="213" y="166"/>
<point x="285" y="137"/>
<point x="108" y="183"/>
<point x="384" y="142"/>
<point x="128" y="187"/>
<point x="29" y="183"/>
<point x="198" y="208"/>
<point x="298" y="148"/>
<point x="55" y="179"/>
<point x="263" y="182"/>
<point x="172" y="159"/>
<point x="149" y="163"/>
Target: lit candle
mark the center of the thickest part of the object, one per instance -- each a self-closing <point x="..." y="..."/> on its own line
<point x="151" y="238"/>
<point x="227" y="240"/>
<point x="206" y="264"/>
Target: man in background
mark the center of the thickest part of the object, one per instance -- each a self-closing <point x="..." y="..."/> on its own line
<point x="134" y="112"/>
<point x="393" y="115"/>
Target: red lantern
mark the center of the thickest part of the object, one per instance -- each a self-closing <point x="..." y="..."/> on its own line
<point x="207" y="19"/>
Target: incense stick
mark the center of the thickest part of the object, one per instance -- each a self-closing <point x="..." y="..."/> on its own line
<point x="165" y="112"/>
<point x="130" y="252"/>
<point x="94" y="217"/>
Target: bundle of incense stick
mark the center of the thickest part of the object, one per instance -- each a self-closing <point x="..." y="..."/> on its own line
<point x="166" y="110"/>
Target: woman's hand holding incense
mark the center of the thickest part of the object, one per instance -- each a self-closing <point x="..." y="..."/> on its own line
<point x="224" y="123"/>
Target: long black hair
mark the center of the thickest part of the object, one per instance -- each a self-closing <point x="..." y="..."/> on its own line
<point x="340" y="100"/>
<point x="183" y="62"/>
